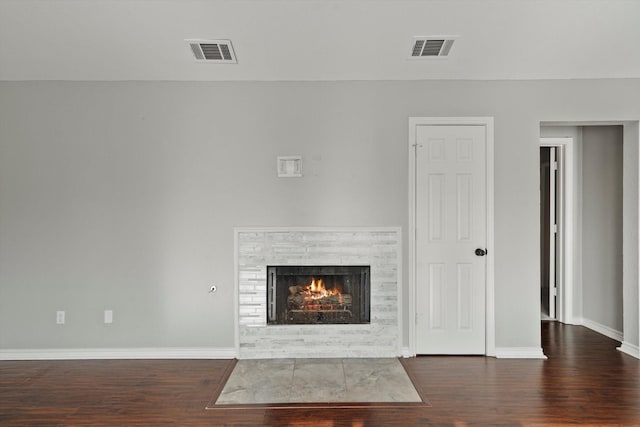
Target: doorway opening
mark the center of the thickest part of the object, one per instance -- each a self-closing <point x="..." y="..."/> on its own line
<point x="581" y="226"/>
<point x="549" y="218"/>
<point x="557" y="228"/>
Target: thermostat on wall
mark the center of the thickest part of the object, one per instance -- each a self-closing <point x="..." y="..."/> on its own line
<point x="289" y="166"/>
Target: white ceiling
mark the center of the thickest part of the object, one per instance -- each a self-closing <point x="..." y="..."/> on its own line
<point x="318" y="39"/>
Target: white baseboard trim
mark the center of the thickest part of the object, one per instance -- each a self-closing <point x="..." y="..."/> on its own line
<point x="602" y="329"/>
<point x="576" y="320"/>
<point x="119" y="353"/>
<point x="519" y="353"/>
<point x="630" y="349"/>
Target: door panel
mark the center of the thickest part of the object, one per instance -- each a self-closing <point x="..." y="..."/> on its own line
<point x="450" y="226"/>
<point x="465" y="297"/>
<point x="435" y="195"/>
<point x="436" y="300"/>
<point x="464" y="213"/>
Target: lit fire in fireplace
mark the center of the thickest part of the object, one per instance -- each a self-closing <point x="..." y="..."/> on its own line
<point x="317" y="290"/>
<point x="318" y="297"/>
<point x="315" y="296"/>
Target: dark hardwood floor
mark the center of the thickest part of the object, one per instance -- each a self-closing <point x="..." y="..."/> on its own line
<point x="584" y="381"/>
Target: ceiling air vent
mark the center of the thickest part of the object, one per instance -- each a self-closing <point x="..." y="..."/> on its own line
<point x="431" y="47"/>
<point x="218" y="51"/>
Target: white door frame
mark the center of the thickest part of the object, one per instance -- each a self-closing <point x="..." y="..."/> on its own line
<point x="566" y="224"/>
<point x="554" y="235"/>
<point x="487" y="122"/>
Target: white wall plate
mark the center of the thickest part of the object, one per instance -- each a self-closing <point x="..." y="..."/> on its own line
<point x="289" y="166"/>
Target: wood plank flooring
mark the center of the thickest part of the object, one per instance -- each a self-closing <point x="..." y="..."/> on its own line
<point x="584" y="381"/>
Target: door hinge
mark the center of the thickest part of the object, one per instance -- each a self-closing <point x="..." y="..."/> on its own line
<point x="555" y="165"/>
<point x="555" y="291"/>
<point x="555" y="228"/>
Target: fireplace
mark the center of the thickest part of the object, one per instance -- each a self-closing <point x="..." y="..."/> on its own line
<point x="318" y="295"/>
<point x="376" y="248"/>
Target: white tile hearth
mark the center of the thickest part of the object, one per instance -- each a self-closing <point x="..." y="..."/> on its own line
<point x="379" y="248"/>
<point x="275" y="381"/>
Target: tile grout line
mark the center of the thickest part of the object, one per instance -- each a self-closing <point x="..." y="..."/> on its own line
<point x="344" y="377"/>
<point x="293" y="374"/>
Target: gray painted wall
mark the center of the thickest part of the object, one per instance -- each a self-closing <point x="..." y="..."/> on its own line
<point x="602" y="225"/>
<point x="124" y="195"/>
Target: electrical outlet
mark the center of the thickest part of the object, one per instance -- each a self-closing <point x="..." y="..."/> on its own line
<point x="60" y="317"/>
<point x="108" y="316"/>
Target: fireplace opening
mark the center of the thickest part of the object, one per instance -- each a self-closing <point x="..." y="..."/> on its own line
<point x="318" y="295"/>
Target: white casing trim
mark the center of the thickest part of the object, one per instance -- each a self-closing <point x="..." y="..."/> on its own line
<point x="519" y="353"/>
<point x="119" y="353"/>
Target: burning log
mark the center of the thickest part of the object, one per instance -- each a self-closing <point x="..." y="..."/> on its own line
<point x="314" y="303"/>
<point x="313" y="316"/>
<point x="329" y="302"/>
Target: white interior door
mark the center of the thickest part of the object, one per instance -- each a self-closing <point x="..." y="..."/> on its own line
<point x="450" y="239"/>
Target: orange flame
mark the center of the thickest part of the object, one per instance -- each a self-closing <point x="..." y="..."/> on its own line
<point x="317" y="290"/>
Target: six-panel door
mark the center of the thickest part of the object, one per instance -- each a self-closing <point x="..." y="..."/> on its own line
<point x="450" y="227"/>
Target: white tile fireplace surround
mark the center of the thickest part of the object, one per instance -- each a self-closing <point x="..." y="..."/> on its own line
<point x="257" y="248"/>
